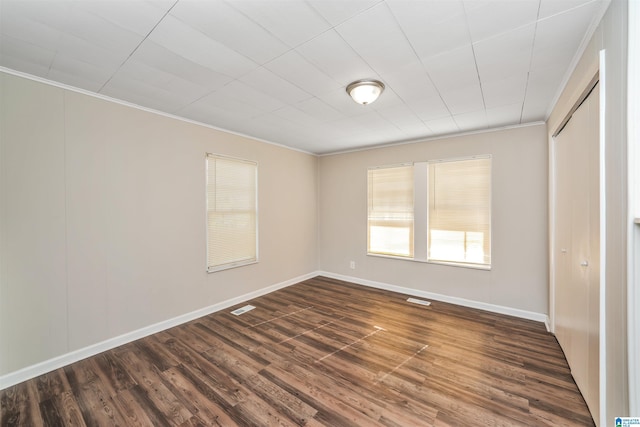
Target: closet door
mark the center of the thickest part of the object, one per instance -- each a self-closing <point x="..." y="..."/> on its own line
<point x="577" y="246"/>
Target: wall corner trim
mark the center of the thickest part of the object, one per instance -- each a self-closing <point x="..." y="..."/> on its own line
<point x="523" y="314"/>
<point x="41" y="368"/>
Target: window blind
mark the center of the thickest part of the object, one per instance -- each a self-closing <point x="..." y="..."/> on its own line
<point x="231" y="212"/>
<point x="459" y="218"/>
<point x="390" y="210"/>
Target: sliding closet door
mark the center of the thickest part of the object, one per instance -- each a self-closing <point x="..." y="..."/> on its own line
<point x="577" y="246"/>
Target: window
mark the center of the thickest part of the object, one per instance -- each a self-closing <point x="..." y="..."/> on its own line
<point x="231" y="212"/>
<point x="438" y="211"/>
<point x="390" y="216"/>
<point x="459" y="219"/>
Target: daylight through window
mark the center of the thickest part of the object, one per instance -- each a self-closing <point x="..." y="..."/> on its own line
<point x="231" y="212"/>
<point x="460" y="211"/>
<point x="390" y="210"/>
<point x="438" y="211"/>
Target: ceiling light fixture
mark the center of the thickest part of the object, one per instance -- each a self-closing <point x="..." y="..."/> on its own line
<point x="365" y="91"/>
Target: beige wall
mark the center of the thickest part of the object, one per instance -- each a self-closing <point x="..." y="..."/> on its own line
<point x="610" y="35"/>
<point x="519" y="275"/>
<point x="102" y="220"/>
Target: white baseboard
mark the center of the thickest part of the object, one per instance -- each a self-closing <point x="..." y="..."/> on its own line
<point x="33" y="371"/>
<point x="530" y="315"/>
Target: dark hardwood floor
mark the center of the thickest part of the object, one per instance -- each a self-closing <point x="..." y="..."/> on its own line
<point x="319" y="353"/>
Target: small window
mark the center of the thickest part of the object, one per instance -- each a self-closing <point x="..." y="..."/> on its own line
<point x="390" y="212"/>
<point x="231" y="212"/>
<point x="459" y="219"/>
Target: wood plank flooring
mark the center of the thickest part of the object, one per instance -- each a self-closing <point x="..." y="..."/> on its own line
<point x="319" y="353"/>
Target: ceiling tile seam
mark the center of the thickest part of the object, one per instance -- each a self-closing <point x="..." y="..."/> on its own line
<point x="197" y="30"/>
<point x="262" y="111"/>
<point x="55" y="54"/>
<point x="264" y="64"/>
<point x="207" y="93"/>
<point x="289" y="47"/>
<point x="230" y="4"/>
<point x="383" y="118"/>
<point x="533" y="43"/>
<point x="433" y="138"/>
<point x="395" y="19"/>
<point x="145" y="109"/>
<point x="327" y="105"/>
<point x="424" y="68"/>
<point x="415" y="115"/>
<point x="311" y="95"/>
<point x="318" y="14"/>
<point x="4" y="36"/>
<point x="294" y="122"/>
<point x="297" y="46"/>
<point x="493" y="36"/>
<point x="475" y="62"/>
<point x="105" y="20"/>
<point x="538" y="19"/>
<point x="295" y="49"/>
<point x="331" y="27"/>
<point x="593" y="26"/>
<point x="351" y="17"/>
<point x="378" y="76"/>
<point x="570" y="10"/>
<point x="138" y="46"/>
<point x="317" y="68"/>
<point x="231" y="79"/>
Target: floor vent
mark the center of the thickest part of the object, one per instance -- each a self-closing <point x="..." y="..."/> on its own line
<point x="242" y="310"/>
<point x="419" y="301"/>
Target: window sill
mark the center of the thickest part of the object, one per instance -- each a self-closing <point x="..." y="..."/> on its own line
<point x="230" y="266"/>
<point x="424" y="261"/>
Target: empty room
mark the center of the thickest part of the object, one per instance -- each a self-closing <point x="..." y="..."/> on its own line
<point x="319" y="212"/>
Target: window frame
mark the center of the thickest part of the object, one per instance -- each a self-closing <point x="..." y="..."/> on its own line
<point x="238" y="262"/>
<point x="393" y="222"/>
<point x="477" y="265"/>
<point x="421" y="238"/>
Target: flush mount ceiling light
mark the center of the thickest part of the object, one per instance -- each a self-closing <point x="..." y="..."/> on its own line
<point x="365" y="91"/>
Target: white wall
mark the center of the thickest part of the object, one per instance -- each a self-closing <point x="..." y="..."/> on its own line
<point x="610" y="35"/>
<point x="102" y="220"/>
<point x="519" y="274"/>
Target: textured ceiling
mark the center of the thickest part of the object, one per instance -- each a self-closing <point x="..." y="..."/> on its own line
<point x="277" y="69"/>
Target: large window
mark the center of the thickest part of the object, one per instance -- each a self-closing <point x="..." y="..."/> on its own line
<point x="390" y="216"/>
<point x="437" y="211"/>
<point x="460" y="211"/>
<point x="231" y="212"/>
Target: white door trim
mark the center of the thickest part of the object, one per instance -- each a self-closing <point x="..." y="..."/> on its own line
<point x="633" y="205"/>
<point x="603" y="243"/>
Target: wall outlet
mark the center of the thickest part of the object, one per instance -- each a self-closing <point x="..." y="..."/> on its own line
<point x="352" y="265"/>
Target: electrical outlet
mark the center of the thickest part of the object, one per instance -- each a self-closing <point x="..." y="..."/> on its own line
<point x="352" y="265"/>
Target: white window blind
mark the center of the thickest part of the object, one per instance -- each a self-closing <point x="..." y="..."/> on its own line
<point x="231" y="212"/>
<point x="390" y="211"/>
<point x="459" y="219"/>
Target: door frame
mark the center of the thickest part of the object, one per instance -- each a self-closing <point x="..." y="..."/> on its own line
<point x="633" y="204"/>
<point x="553" y="185"/>
<point x="597" y="75"/>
